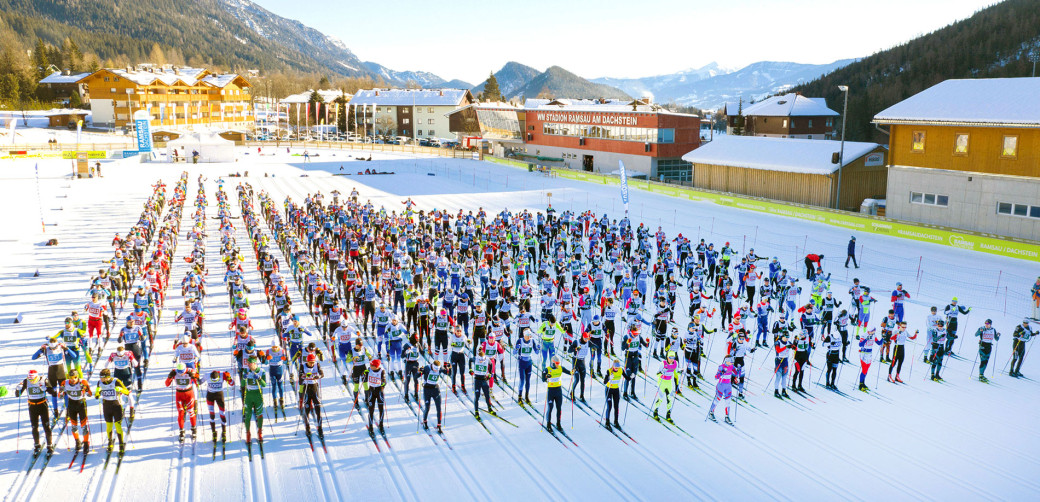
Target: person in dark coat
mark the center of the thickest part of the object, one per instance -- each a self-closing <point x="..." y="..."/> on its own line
<point x="852" y="253"/>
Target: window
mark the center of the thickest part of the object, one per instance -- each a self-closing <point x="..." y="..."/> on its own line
<point x="1020" y="210"/>
<point x="1010" y="149"/>
<point x="430" y="121"/>
<point x="431" y="132"/>
<point x="405" y="110"/>
<point x="792" y="123"/>
<point x="106" y="79"/>
<point x="666" y="135"/>
<point x="429" y="110"/>
<point x="929" y="199"/>
<point x="810" y="123"/>
<point x="419" y="132"/>
<point x="405" y="121"/>
<point x="960" y="144"/>
<point x="810" y="136"/>
<point x="830" y="122"/>
<point x="917" y="142"/>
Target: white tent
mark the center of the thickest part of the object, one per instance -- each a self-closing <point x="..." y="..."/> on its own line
<point x="211" y="147"/>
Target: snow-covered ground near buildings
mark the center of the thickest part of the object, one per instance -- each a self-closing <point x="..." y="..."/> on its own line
<point x="37" y="133"/>
<point x="958" y="440"/>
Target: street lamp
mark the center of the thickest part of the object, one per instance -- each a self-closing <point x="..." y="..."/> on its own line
<point x="841" y="156"/>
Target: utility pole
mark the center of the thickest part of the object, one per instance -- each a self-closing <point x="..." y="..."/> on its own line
<point x="841" y="155"/>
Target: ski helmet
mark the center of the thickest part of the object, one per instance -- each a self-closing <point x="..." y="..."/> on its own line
<point x="672" y="354"/>
<point x="375" y="364"/>
<point x="311" y="358"/>
<point x="180" y="368"/>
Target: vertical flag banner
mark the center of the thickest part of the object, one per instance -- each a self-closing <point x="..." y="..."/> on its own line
<point x="624" y="185"/>
<point x="142" y="123"/>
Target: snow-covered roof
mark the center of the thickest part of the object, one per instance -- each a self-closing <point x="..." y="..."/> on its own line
<point x="990" y="101"/>
<point x="328" y="95"/>
<point x="733" y="109"/>
<point x="409" y="97"/>
<point x="808" y="156"/>
<point x="790" y="105"/>
<point x="220" y="80"/>
<point x="167" y="76"/>
<point x="60" y="78"/>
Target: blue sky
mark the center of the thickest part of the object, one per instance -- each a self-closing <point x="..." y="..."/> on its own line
<point x="466" y="39"/>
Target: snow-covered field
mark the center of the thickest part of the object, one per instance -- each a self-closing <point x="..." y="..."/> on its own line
<point x="959" y="440"/>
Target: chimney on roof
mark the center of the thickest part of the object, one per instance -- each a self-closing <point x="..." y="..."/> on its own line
<point x="176" y="70"/>
<point x="441" y="92"/>
<point x="66" y="72"/>
<point x="377" y="92"/>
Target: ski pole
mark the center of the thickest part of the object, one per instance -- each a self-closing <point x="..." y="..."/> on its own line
<point x="18" y="435"/>
<point x="1014" y="349"/>
<point x="996" y="346"/>
<point x="974" y="362"/>
<point x="571" y="385"/>
<point x="654" y="403"/>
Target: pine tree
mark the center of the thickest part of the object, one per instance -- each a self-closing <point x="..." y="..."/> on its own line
<point x="491" y="90"/>
<point x="324" y="83"/>
<point x="39" y="60"/>
<point x="738" y="124"/>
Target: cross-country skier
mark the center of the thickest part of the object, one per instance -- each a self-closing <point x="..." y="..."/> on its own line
<point x="725" y="376"/>
<point x="1023" y="333"/>
<point x="215" y="396"/>
<point x="666" y="384"/>
<point x="36" y="390"/>
<point x="184" y="380"/>
<point x="109" y="390"/>
<point x="553" y="376"/>
<point x="431" y="377"/>
<point x="987" y="336"/>
<point x="952" y="311"/>
<point x="252" y="400"/>
<point x="866" y="355"/>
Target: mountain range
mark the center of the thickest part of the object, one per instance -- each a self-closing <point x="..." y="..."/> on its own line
<point x="710" y="86"/>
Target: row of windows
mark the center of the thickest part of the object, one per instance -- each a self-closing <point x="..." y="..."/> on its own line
<point x="794" y="123"/>
<point x="1022" y="210"/>
<point x="621" y="133"/>
<point x="404" y="109"/>
<point x="1008" y="150"/>
<point x="429" y="132"/>
<point x="929" y="199"/>
<point x="1005" y="208"/>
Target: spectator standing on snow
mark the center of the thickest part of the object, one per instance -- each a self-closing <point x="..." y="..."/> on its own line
<point x="852" y="253"/>
<point x="812" y="263"/>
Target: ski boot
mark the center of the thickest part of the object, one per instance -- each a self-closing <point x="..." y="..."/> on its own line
<point x="527" y="399"/>
<point x="740" y="395"/>
<point x="86" y="446"/>
<point x="617" y="424"/>
<point x="381" y="430"/>
<point x="193" y="434"/>
<point x="784" y="393"/>
<point x="776" y="393"/>
<point x="260" y="435"/>
<point x="711" y="416"/>
<point x="655" y="414"/>
<point x="548" y="426"/>
<point x="558" y="426"/>
<point x="122" y="446"/>
<point x="425" y="426"/>
<point x="223" y="433"/>
<point x="281" y="403"/>
<point x="863" y="387"/>
<point x="668" y="416"/>
<point x="890" y="379"/>
<point x="463" y="388"/>
<point x="180" y="438"/>
<point x="800" y="388"/>
<point x="439" y="429"/>
<point x="982" y="378"/>
<point x="728" y="421"/>
<point x="78" y="445"/>
<point x="50" y="449"/>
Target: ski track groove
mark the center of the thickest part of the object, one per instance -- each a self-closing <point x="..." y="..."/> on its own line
<point x="458" y="459"/>
<point x="512" y="451"/>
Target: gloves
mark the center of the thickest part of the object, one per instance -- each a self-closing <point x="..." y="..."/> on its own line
<point x="227" y="374"/>
<point x="3" y="390"/>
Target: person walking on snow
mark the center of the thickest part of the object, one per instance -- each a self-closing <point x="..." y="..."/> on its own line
<point x="851" y="253"/>
<point x="1023" y="333"/>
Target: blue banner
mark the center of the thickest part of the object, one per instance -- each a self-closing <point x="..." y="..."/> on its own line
<point x="624" y="185"/>
<point x="142" y="124"/>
